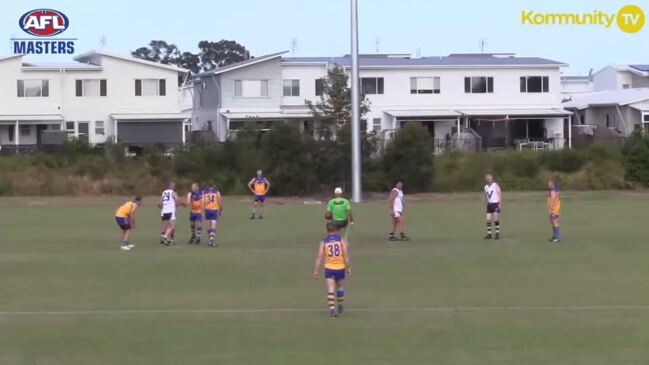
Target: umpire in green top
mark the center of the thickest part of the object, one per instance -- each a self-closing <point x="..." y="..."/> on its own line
<point x="340" y="211"/>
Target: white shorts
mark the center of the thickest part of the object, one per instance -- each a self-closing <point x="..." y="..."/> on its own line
<point x="398" y="213"/>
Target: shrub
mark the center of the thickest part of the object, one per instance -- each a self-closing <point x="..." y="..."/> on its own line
<point x="636" y="154"/>
<point x="288" y="160"/>
<point x="408" y="158"/>
<point x="563" y="160"/>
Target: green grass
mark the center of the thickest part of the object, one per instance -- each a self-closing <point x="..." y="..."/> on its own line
<point x="518" y="301"/>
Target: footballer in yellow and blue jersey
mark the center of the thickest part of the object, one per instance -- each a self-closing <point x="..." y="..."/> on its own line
<point x="333" y="252"/>
<point x="125" y="218"/>
<point x="259" y="187"/>
<point x="195" y="199"/>
<point x="213" y="209"/>
<point x="554" y="208"/>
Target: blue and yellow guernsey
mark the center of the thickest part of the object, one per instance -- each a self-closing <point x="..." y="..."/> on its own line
<point x="334" y="252"/>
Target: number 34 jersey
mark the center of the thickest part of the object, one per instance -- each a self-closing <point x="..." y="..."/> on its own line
<point x="334" y="251"/>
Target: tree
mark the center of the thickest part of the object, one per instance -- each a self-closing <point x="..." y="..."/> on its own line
<point x="409" y="158"/>
<point x="190" y="61"/>
<point x="222" y="53"/>
<point x="334" y="108"/>
<point x="212" y="55"/>
<point x="288" y="160"/>
<point x="159" y="51"/>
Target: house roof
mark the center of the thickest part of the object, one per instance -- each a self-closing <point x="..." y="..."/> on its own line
<point x="58" y="66"/>
<point x="643" y="68"/>
<point x="88" y="58"/>
<point x="607" y="98"/>
<point x="643" y="106"/>
<point x="2" y="58"/>
<point x="242" y="64"/>
<point x="453" y="60"/>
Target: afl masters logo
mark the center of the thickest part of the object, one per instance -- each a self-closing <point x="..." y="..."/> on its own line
<point x="43" y="24"/>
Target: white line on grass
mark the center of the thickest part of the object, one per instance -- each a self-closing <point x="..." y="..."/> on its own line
<point x="309" y="310"/>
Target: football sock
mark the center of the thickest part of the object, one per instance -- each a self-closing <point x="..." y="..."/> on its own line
<point x="331" y="300"/>
<point x="497" y="227"/>
<point x="489" y="228"/>
<point x="211" y="232"/>
<point x="199" y="230"/>
<point x="556" y="233"/>
<point x="340" y="294"/>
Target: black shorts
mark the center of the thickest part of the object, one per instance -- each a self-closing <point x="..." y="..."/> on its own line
<point x="167" y="217"/>
<point x="341" y="224"/>
<point x="493" y="208"/>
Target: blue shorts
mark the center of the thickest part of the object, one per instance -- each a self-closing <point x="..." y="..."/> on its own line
<point x="337" y="275"/>
<point x="123" y="223"/>
<point x="211" y="215"/>
<point x="260" y="198"/>
<point x="195" y="217"/>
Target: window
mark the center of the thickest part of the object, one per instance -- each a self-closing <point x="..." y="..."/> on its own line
<point x="424" y="85"/>
<point x="376" y="125"/>
<point x="33" y="88"/>
<point x="12" y="132"/>
<point x="626" y="86"/>
<point x="478" y="85"/>
<point x="535" y="84"/>
<point x="150" y="87"/>
<point x="99" y="127"/>
<point x="25" y="130"/>
<point x="69" y="126"/>
<point x="250" y="88"/>
<point x="646" y="118"/>
<point x="608" y="120"/>
<point x="291" y="87"/>
<point x="372" y="85"/>
<point x="319" y="87"/>
<point x="90" y="87"/>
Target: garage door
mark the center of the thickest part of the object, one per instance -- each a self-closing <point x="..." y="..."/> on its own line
<point x="150" y="132"/>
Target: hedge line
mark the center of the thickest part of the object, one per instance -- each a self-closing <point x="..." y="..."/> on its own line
<point x="298" y="164"/>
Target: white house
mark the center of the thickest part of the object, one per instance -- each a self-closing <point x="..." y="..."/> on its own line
<point x="101" y="97"/>
<point x="500" y="99"/>
<point x="607" y="116"/>
<point x="612" y="77"/>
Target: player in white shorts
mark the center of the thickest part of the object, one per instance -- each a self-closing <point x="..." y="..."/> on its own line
<point x="493" y="197"/>
<point x="397" y="207"/>
<point x="168" y="202"/>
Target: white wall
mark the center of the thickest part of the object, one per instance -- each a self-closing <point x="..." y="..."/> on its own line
<point x="307" y="76"/>
<point x="607" y="79"/>
<point x="554" y="129"/>
<point x="120" y="75"/>
<point x="452" y="96"/>
<point x="574" y="87"/>
<point x="268" y="70"/>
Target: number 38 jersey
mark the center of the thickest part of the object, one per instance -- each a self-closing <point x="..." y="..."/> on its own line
<point x="334" y="251"/>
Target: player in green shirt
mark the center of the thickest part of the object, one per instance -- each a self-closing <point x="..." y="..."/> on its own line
<point x="341" y="211"/>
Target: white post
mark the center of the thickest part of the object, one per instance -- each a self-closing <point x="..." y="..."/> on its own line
<point x="570" y="132"/>
<point x="458" y="128"/>
<point x="356" y="125"/>
<point x="183" y="126"/>
<point x="115" y="130"/>
<point x="17" y="134"/>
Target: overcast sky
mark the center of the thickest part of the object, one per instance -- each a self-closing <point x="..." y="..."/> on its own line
<point x="321" y="27"/>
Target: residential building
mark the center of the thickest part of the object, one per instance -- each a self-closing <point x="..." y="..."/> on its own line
<point x="608" y="116"/>
<point x="497" y="100"/>
<point x="612" y="77"/>
<point x="98" y="98"/>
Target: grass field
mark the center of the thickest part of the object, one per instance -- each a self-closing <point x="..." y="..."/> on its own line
<point x="68" y="295"/>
